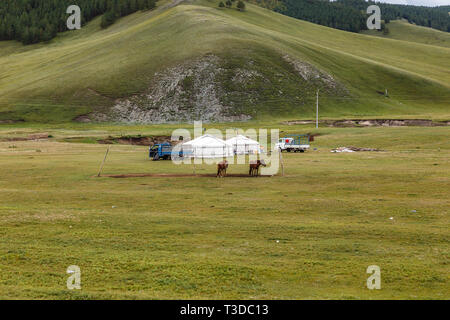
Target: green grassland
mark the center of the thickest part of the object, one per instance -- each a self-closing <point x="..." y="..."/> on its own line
<point x="306" y="235"/>
<point x="86" y="70"/>
<point x="402" y="30"/>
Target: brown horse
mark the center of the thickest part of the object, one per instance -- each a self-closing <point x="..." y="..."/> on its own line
<point x="254" y="167"/>
<point x="222" y="169"/>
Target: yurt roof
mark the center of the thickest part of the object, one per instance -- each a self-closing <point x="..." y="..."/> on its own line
<point x="240" y="139"/>
<point x="206" y="141"/>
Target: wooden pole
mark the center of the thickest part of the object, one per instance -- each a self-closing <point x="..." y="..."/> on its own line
<point x="317" y="110"/>
<point x="103" y="163"/>
<point x="281" y="163"/>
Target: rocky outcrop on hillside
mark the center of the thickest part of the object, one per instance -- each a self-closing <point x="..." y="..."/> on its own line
<point x="217" y="89"/>
<point x="311" y="74"/>
<point x="185" y="92"/>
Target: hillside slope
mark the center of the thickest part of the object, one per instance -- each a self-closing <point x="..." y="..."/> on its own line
<point x="196" y="61"/>
<point x="402" y="30"/>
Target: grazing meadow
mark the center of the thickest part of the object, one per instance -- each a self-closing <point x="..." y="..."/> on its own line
<point x="309" y="234"/>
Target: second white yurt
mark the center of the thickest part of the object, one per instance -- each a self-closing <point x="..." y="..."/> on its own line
<point x="244" y="145"/>
<point x="207" y="146"/>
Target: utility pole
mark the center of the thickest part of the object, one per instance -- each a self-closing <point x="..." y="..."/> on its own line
<point x="103" y="163"/>
<point x="236" y="132"/>
<point x="281" y="162"/>
<point x="317" y="110"/>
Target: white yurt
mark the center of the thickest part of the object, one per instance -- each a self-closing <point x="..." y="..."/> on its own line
<point x="244" y="145"/>
<point x="207" y="146"/>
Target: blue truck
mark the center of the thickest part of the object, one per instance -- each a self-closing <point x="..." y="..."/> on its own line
<point x="160" y="151"/>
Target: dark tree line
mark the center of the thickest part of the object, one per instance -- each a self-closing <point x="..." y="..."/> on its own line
<point x="330" y="14"/>
<point x="444" y="8"/>
<point x="433" y="17"/>
<point x="32" y="21"/>
<point x="350" y="15"/>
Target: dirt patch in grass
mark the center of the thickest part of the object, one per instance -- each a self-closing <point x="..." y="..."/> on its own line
<point x="83" y="118"/>
<point x="136" y="140"/>
<point x="39" y="136"/>
<point x="170" y="175"/>
<point x="9" y="121"/>
<point x="374" y="123"/>
<point x="38" y="217"/>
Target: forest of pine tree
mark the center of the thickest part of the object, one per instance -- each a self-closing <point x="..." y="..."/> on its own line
<point x="32" y="21"/>
<point x="433" y="17"/>
<point x="330" y="14"/>
<point x="350" y="15"/>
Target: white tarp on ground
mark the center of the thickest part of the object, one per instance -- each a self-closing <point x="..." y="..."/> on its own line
<point x="244" y="145"/>
<point x="207" y="146"/>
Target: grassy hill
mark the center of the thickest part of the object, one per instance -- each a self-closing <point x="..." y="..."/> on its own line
<point x="402" y="30"/>
<point x="193" y="59"/>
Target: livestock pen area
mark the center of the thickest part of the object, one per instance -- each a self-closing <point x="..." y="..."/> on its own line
<point x="165" y="232"/>
<point x="237" y="167"/>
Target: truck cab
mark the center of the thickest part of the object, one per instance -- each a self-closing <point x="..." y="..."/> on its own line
<point x="294" y="143"/>
<point x="161" y="151"/>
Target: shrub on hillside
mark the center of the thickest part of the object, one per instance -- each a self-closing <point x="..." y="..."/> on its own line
<point x="108" y="19"/>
